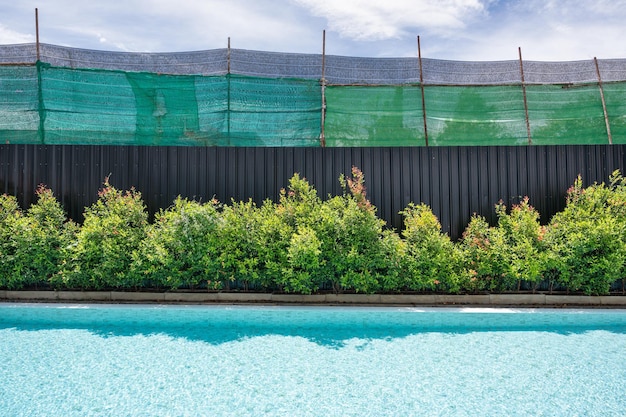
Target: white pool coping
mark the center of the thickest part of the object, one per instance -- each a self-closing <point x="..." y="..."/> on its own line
<point x="551" y="300"/>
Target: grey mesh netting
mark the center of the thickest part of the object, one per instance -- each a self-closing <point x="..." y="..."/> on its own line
<point x="235" y="97"/>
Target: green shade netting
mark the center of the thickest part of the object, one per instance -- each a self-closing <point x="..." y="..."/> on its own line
<point x="56" y="105"/>
<point x="615" y="96"/>
<point x="19" y="104"/>
<point x="111" y="107"/>
<point x="477" y="115"/>
<point x="274" y="112"/>
<point x="374" y="116"/>
<point x="566" y="114"/>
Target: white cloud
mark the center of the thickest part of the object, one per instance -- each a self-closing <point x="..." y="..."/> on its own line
<point x="164" y="25"/>
<point x="380" y="20"/>
<point x="547" y="31"/>
<point x="449" y="29"/>
<point x="250" y="24"/>
<point x="8" y="36"/>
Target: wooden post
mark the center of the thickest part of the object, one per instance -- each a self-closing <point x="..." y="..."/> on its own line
<point x="228" y="57"/>
<point x="37" y="32"/>
<point x="323" y="86"/>
<point x="521" y="67"/>
<point x="606" y="114"/>
<point x="40" y="103"/>
<point x="419" y="58"/>
<point x="228" y="92"/>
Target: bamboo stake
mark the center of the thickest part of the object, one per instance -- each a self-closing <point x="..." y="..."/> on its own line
<point x="521" y="67"/>
<point x="37" y="32"/>
<point x="419" y="58"/>
<point x="40" y="103"/>
<point x="228" y="57"/>
<point x="606" y="114"/>
<point x="228" y="92"/>
<point x="323" y="84"/>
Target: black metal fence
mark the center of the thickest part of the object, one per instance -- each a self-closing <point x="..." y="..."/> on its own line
<point x="454" y="181"/>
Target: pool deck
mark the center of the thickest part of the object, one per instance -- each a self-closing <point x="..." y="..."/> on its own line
<point x="494" y="300"/>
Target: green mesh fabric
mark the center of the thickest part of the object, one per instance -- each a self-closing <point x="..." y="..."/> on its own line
<point x="83" y="106"/>
<point x="615" y="97"/>
<point x="19" y="104"/>
<point x="477" y="115"/>
<point x="58" y="105"/>
<point x="166" y="109"/>
<point x="274" y="112"/>
<point x="566" y="114"/>
<point x="374" y="116"/>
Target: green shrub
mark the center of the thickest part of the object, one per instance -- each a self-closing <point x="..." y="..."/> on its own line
<point x="40" y="236"/>
<point x="433" y="260"/>
<point x="351" y="235"/>
<point x="298" y="211"/>
<point x="587" y="239"/>
<point x="180" y="247"/>
<point x="486" y="257"/>
<point x="272" y="239"/>
<point x="303" y="269"/>
<point x="303" y="244"/>
<point x="113" y="228"/>
<point x="10" y="214"/>
<point x="501" y="258"/>
<point x="348" y="237"/>
<point x="238" y="245"/>
<point x="299" y="204"/>
<point x="523" y="238"/>
<point x="393" y="262"/>
<point x="337" y="243"/>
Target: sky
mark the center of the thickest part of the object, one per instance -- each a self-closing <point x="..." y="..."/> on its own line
<point x="466" y="30"/>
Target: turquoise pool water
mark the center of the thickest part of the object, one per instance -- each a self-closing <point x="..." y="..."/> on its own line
<point x="104" y="360"/>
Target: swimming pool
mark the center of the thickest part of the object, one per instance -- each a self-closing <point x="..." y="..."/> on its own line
<point x="101" y="360"/>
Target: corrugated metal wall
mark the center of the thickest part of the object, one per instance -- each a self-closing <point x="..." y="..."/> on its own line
<point x="454" y="181"/>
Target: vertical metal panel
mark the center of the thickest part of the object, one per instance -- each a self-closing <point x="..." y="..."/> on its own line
<point x="485" y="185"/>
<point x="445" y="191"/>
<point x="421" y="187"/>
<point x="455" y="204"/>
<point x="470" y="169"/>
<point x="407" y="155"/>
<point x="462" y="208"/>
<point x="455" y="182"/>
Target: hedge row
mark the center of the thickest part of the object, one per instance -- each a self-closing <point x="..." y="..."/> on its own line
<point x="304" y="244"/>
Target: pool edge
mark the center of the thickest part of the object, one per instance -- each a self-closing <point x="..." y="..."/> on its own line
<point x="495" y="300"/>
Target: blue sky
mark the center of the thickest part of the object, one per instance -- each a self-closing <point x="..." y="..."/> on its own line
<point x="475" y="30"/>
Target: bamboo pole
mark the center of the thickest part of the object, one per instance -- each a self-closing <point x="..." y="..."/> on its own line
<point x="228" y="92"/>
<point x="228" y="57"/>
<point x="323" y="86"/>
<point x="419" y="58"/>
<point x="40" y="102"/>
<point x="521" y="67"/>
<point x="37" y="32"/>
<point x="606" y="114"/>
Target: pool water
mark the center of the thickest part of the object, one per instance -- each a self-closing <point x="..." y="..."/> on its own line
<point x="121" y="360"/>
